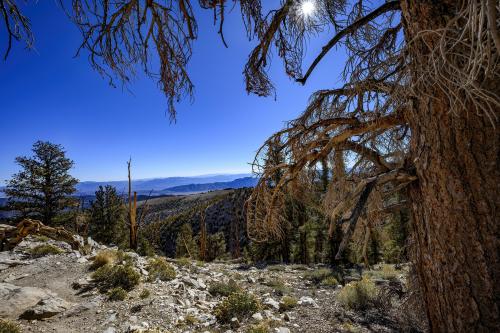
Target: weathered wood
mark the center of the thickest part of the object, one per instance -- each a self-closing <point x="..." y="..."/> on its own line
<point x="11" y="236"/>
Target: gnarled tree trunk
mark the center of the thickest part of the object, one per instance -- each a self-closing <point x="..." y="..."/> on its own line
<point x="455" y="203"/>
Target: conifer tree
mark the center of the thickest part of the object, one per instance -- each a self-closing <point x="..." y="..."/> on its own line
<point x="107" y="214"/>
<point x="43" y="187"/>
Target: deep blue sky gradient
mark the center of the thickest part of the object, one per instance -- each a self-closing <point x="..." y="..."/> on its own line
<point x="48" y="94"/>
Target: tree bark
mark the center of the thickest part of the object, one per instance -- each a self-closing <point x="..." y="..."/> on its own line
<point x="455" y="203"/>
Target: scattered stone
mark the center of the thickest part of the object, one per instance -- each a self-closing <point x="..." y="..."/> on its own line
<point x="272" y="303"/>
<point x="82" y="260"/>
<point x="110" y="330"/>
<point x="135" y="329"/>
<point x="234" y="323"/>
<point x="201" y="284"/>
<point x="305" y="300"/>
<point x="82" y="307"/>
<point x="282" y="330"/>
<point x="257" y="316"/>
<point x="110" y="319"/>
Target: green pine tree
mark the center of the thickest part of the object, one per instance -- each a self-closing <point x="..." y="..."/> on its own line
<point x="107" y="216"/>
<point x="43" y="187"/>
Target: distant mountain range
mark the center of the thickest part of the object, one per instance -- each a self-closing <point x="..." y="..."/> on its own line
<point x="197" y="188"/>
<point x="170" y="185"/>
<point x="158" y="186"/>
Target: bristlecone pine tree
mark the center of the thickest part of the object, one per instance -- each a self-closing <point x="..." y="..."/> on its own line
<point x="43" y="187"/>
<point x="418" y="113"/>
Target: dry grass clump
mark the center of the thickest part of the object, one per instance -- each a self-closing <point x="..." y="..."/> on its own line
<point x="183" y="262"/>
<point x="223" y="288"/>
<point x="287" y="303"/>
<point x="298" y="267"/>
<point x="41" y="238"/>
<point x="330" y="281"/>
<point x="240" y="305"/>
<point x="117" y="294"/>
<point x="350" y="328"/>
<point x="44" y="250"/>
<point x="386" y="272"/>
<point x="160" y="269"/>
<point x="276" y="268"/>
<point x="104" y="257"/>
<point x="259" y="328"/>
<point x="7" y="326"/>
<point x="190" y="320"/>
<point x="123" y="276"/>
<point x="358" y="295"/>
<point x="318" y="275"/>
<point x="278" y="285"/>
<point x="145" y="293"/>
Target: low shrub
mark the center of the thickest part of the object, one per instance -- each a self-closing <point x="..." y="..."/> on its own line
<point x="7" y="326"/>
<point x="159" y="268"/>
<point x="190" y="319"/>
<point x="278" y="286"/>
<point x="318" y="275"/>
<point x="145" y="293"/>
<point x="386" y="272"/>
<point x="259" y="328"/>
<point x="223" y="288"/>
<point x="184" y="262"/>
<point x="287" y="303"/>
<point x="298" y="267"/>
<point x="330" y="281"/>
<point x="104" y="257"/>
<point x="124" y="258"/>
<point x="45" y="249"/>
<point x="358" y="295"/>
<point x="240" y="305"/>
<point x="117" y="294"/>
<point x="276" y="268"/>
<point x="348" y="327"/>
<point x="116" y="276"/>
<point x="41" y="238"/>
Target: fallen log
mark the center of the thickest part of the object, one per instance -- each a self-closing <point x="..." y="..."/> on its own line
<point x="10" y="236"/>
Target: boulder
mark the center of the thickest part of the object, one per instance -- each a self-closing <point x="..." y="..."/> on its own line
<point x="29" y="302"/>
<point x="46" y="308"/>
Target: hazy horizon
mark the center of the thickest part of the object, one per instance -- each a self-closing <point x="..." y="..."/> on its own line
<point x="48" y="94"/>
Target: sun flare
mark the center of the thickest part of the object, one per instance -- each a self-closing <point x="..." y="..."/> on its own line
<point x="307" y="8"/>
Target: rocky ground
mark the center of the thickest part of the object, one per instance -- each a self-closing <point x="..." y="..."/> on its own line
<point x="54" y="293"/>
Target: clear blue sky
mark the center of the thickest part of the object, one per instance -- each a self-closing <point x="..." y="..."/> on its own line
<point x="47" y="94"/>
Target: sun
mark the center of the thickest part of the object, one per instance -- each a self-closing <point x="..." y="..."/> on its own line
<point x="307" y="8"/>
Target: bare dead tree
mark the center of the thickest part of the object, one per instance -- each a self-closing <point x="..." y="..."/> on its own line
<point x="132" y="209"/>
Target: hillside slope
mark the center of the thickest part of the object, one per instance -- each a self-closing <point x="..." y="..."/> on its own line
<point x="223" y="212"/>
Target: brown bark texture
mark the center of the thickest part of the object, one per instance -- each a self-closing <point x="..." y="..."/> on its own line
<point x="455" y="203"/>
